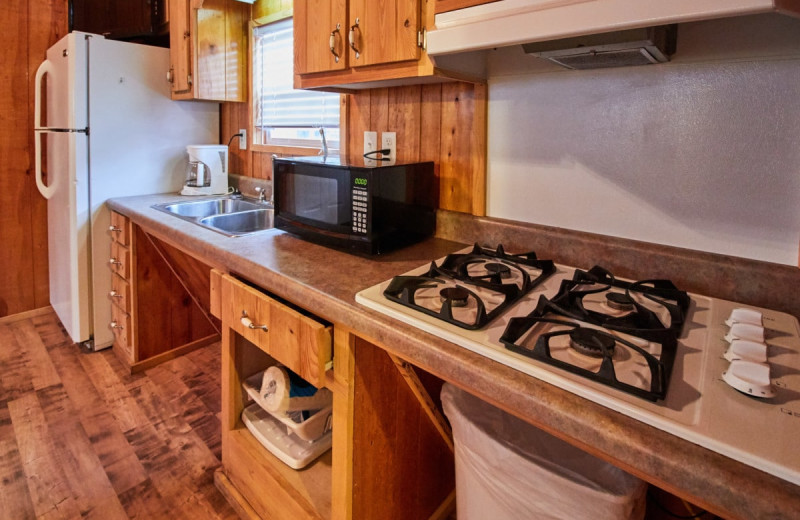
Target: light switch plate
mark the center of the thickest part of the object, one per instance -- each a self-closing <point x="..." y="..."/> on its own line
<point x="370" y="141"/>
<point x="370" y="145"/>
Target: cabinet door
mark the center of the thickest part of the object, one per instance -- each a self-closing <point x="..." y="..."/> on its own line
<point x="180" y="43"/>
<point x="386" y="31"/>
<point x="317" y="25"/>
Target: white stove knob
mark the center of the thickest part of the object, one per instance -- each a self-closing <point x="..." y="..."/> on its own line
<point x="742" y="315"/>
<point x="745" y="331"/>
<point x="747" y="350"/>
<point x="750" y="378"/>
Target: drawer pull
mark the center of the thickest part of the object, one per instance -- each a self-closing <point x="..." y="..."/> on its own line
<point x="114" y="229"/>
<point x="114" y="261"/>
<point x="115" y="294"/>
<point x="115" y="325"/>
<point x="247" y="322"/>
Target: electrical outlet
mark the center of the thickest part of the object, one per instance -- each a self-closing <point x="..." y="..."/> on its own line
<point x="243" y="139"/>
<point x="389" y="142"/>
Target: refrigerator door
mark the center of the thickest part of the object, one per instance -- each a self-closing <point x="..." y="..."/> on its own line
<point x="137" y="144"/>
<point x="63" y="135"/>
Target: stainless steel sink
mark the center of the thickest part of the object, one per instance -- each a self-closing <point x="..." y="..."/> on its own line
<point x="232" y="216"/>
<point x="240" y="223"/>
<point x="205" y="208"/>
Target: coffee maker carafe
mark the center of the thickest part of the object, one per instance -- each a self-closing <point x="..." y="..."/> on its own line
<point x="207" y="172"/>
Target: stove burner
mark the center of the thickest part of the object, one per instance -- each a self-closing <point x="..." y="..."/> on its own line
<point x="456" y="295"/>
<point x="498" y="280"/>
<point x="661" y="322"/>
<point x="620" y="301"/>
<point x="592" y="342"/>
<point x="500" y="269"/>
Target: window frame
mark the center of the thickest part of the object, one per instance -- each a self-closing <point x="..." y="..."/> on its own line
<point x="284" y="150"/>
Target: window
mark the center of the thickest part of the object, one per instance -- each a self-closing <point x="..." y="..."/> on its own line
<point x="283" y="116"/>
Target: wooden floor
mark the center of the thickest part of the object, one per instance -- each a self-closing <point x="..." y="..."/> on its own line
<point x="82" y="438"/>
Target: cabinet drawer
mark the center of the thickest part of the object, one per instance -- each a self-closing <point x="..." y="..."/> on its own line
<point x="300" y="342"/>
<point x="119" y="262"/>
<point x="121" y="327"/>
<point x="120" y="293"/>
<point x="120" y="228"/>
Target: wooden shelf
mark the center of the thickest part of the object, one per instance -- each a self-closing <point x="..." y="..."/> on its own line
<point x="283" y="491"/>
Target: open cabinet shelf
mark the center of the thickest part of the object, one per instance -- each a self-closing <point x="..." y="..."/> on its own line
<point x="270" y="487"/>
<point x="308" y="489"/>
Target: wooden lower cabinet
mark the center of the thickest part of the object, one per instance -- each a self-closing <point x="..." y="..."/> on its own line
<point x="391" y="455"/>
<point x="159" y="298"/>
<point x="258" y="484"/>
<point x="403" y="466"/>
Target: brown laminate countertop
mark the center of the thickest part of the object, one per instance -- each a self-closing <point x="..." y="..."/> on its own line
<point x="325" y="281"/>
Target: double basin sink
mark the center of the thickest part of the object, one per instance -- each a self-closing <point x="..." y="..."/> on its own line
<point x="232" y="215"/>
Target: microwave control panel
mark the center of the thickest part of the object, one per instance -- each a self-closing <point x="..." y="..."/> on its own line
<point x="360" y="199"/>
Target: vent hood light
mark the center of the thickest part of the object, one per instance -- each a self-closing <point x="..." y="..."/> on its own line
<point x="616" y="49"/>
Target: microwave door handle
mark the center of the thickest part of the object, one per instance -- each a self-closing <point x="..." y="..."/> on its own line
<point x="45" y="68"/>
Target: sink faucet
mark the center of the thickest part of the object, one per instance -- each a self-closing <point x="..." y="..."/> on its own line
<point x="324" y="150"/>
<point x="262" y="193"/>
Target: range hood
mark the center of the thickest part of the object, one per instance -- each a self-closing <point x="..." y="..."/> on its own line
<point x="645" y="46"/>
<point x="513" y="22"/>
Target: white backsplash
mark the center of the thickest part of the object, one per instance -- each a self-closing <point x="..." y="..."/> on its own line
<point x="701" y="153"/>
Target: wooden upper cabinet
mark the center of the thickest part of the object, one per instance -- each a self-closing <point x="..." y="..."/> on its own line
<point x="376" y="42"/>
<point x="208" y="49"/>
<point x="180" y="48"/>
<point x="320" y="35"/>
<point x="384" y="32"/>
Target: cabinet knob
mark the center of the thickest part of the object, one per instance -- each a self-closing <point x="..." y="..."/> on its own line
<point x="352" y="38"/>
<point x="333" y="42"/>
<point x="114" y="294"/>
<point x="114" y="261"/>
<point x="114" y="229"/>
<point x="115" y="325"/>
<point x="247" y="322"/>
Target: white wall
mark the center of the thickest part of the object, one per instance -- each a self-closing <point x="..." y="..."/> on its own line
<point x="702" y="152"/>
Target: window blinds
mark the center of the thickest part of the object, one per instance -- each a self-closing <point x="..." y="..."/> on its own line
<point x="277" y="104"/>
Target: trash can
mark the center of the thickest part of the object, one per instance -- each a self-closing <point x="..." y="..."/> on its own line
<point x="507" y="469"/>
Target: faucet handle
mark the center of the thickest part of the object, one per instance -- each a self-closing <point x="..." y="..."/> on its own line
<point x="262" y="193"/>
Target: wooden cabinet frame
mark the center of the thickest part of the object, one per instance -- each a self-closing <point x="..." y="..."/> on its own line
<point x="160" y="306"/>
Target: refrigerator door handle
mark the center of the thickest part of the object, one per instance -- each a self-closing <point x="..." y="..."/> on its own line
<point x="45" y="68"/>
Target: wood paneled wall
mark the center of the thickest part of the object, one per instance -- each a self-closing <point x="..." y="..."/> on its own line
<point x="30" y="27"/>
<point x="443" y="122"/>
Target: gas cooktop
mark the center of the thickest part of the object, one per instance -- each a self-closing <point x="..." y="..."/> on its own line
<point x="687" y="364"/>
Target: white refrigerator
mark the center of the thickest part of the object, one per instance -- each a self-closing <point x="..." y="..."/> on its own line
<point x="104" y="115"/>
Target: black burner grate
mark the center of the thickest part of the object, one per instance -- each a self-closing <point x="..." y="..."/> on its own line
<point x="640" y="321"/>
<point x="605" y="345"/>
<point x="455" y="269"/>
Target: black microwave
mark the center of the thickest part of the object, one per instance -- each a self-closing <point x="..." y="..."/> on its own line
<point x="360" y="208"/>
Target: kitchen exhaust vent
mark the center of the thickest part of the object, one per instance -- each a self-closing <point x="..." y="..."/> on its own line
<point x="615" y="49"/>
